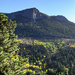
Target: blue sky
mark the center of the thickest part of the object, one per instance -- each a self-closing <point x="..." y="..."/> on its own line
<point x="49" y="7"/>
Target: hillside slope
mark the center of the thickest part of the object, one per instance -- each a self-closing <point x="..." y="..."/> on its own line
<point x="32" y="23"/>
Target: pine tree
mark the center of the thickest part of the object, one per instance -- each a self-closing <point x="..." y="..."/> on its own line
<point x="8" y="45"/>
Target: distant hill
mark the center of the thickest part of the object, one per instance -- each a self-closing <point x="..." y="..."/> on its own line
<point x="32" y="23"/>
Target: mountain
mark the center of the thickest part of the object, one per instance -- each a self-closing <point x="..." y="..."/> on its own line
<point x="32" y="23"/>
<point x="32" y="15"/>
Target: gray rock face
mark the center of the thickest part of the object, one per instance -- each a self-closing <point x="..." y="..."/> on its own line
<point x="32" y="15"/>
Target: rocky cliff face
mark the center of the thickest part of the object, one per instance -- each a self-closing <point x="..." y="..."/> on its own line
<point x="32" y="15"/>
<point x="27" y="15"/>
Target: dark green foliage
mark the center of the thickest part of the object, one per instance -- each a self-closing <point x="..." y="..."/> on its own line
<point x="34" y="51"/>
<point x="46" y="28"/>
<point x="61" y="60"/>
<point x="1" y="73"/>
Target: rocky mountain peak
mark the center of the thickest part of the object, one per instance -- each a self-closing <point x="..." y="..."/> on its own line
<point x="26" y="15"/>
<point x="33" y="14"/>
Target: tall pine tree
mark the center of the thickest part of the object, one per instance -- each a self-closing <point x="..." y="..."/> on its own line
<point x="8" y="46"/>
